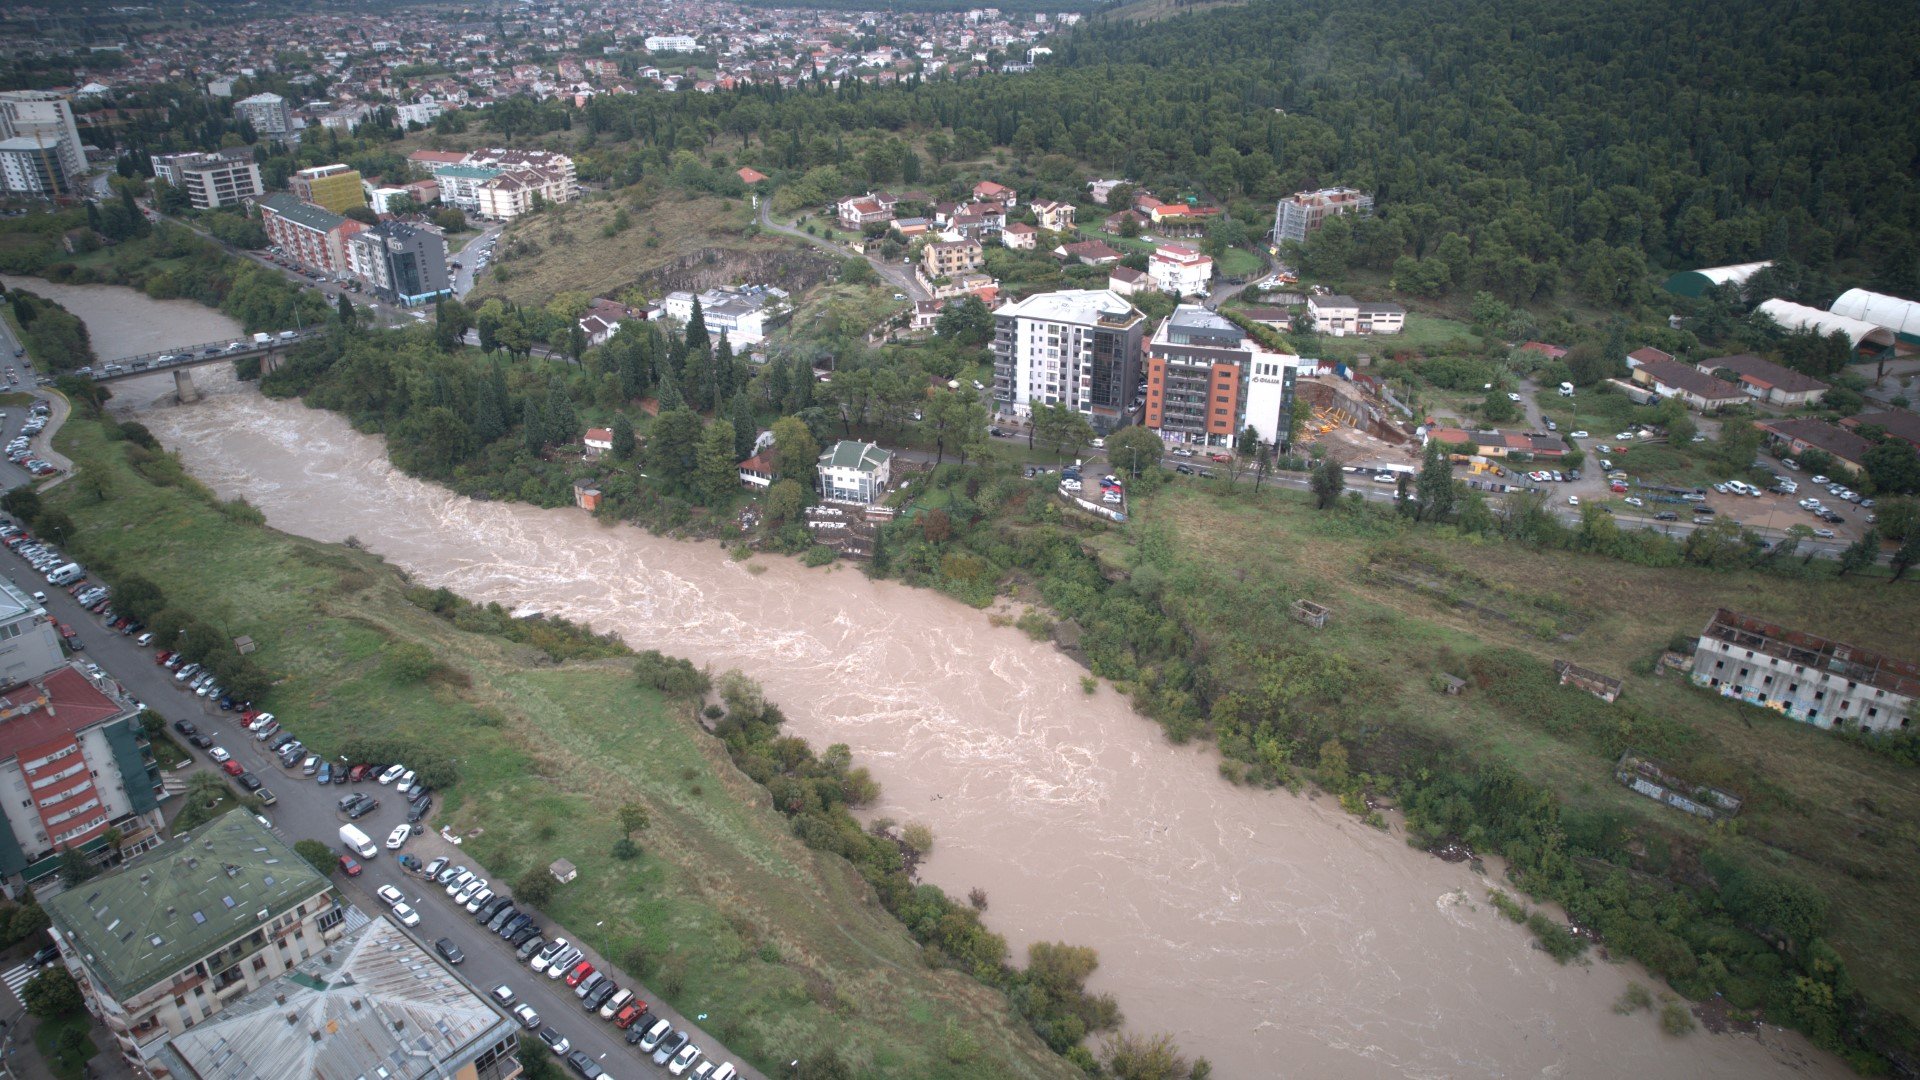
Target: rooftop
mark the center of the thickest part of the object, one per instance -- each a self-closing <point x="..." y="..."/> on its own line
<point x="1765" y="373"/>
<point x="1899" y="423"/>
<point x="166" y="909"/>
<point x="1082" y="306"/>
<point x="1692" y="380"/>
<point x="53" y="705"/>
<point x="849" y="454"/>
<point x="375" y="1004"/>
<point x="1837" y="441"/>
<point x="302" y="214"/>
<point x="1810" y="650"/>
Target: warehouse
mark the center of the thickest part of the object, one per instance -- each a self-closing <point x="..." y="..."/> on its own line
<point x="1696" y="282"/>
<point x="1900" y="316"/>
<point x="1868" y="340"/>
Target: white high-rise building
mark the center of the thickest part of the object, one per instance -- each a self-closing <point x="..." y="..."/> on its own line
<point x="1079" y="348"/>
<point x="43" y="121"/>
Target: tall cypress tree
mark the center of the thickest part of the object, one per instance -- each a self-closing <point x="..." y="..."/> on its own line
<point x="560" y="422"/>
<point x="533" y="426"/>
<point x="697" y="338"/>
<point x="722" y="371"/>
<point x="743" y="427"/>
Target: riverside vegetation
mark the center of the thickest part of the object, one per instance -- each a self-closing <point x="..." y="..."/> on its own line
<point x="720" y="901"/>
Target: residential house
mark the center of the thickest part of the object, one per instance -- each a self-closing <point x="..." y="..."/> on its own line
<point x="856" y="212"/>
<point x="757" y="471"/>
<point x="167" y="941"/>
<point x="1207" y="381"/>
<point x="1342" y="315"/>
<point x="1098" y="190"/>
<point x="940" y="260"/>
<point x="603" y="318"/>
<point x="1180" y="270"/>
<point x="1126" y="281"/>
<point x="1797" y="436"/>
<point x="988" y="191"/>
<point x="1301" y="214"/>
<point x="1815" y="680"/>
<point x="1088" y="253"/>
<point x="1053" y="216"/>
<point x="310" y="236"/>
<point x="1670" y="378"/>
<point x="1116" y="223"/>
<point x="1019" y="236"/>
<point x="1768" y="381"/>
<point x="856" y="472"/>
<point x="599" y="441"/>
<point x="1076" y="348"/>
<point x="376" y="1003"/>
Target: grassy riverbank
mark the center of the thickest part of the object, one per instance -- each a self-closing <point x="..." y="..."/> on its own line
<point x="726" y="913"/>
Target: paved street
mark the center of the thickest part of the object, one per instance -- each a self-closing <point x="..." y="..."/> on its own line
<point x="306" y="811"/>
<point x="463" y="278"/>
<point x="899" y="275"/>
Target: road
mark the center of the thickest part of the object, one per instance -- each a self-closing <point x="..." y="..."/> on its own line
<point x="464" y="278"/>
<point x="306" y="811"/>
<point x="899" y="275"/>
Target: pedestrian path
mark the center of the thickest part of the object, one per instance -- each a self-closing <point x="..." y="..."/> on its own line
<point x="19" y="977"/>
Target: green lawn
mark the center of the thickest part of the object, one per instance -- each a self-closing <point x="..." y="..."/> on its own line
<point x="1240" y="263"/>
<point x="727" y="913"/>
<point x="65" y="1054"/>
<point x="1426" y="335"/>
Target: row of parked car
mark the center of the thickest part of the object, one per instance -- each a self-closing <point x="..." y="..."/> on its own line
<point x="561" y="960"/>
<point x="20" y="447"/>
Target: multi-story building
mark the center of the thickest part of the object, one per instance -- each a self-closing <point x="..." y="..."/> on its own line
<point x="1343" y="315"/>
<point x="939" y="260"/>
<point x="666" y="43"/>
<point x="855" y="472"/>
<point x="74" y="764"/>
<point x="419" y="112"/>
<point x="170" y="939"/>
<point x="1180" y="270"/>
<point x="745" y="313"/>
<point x="228" y="178"/>
<point x="460" y="184"/>
<point x="1301" y="214"/>
<point x="312" y="237"/>
<point x="515" y="192"/>
<point x="1078" y="348"/>
<point x="1053" y="216"/>
<point x="401" y="263"/>
<point x="1828" y="684"/>
<point x="374" y="1004"/>
<point x="29" y="644"/>
<point x="267" y="113"/>
<point x="46" y="118"/>
<point x="330" y="187"/>
<point x="34" y="165"/>
<point x="1207" y="381"/>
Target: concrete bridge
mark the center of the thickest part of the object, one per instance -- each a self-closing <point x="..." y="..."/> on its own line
<point x="182" y="359"/>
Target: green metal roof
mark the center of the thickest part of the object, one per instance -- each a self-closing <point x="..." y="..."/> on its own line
<point x="466" y="172"/>
<point x="174" y="905"/>
<point x="305" y="214"/>
<point x="849" y="454"/>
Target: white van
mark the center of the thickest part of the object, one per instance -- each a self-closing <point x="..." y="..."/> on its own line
<point x="357" y="842"/>
<point x="1566" y="389"/>
<point x="66" y="575"/>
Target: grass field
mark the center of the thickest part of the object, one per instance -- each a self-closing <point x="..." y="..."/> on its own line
<point x="1428" y="335"/>
<point x="565" y="247"/>
<point x="1409" y="603"/>
<point x="725" y="914"/>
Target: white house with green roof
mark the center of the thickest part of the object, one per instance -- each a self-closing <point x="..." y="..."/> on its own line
<point x="856" y="472"/>
<point x="173" y="937"/>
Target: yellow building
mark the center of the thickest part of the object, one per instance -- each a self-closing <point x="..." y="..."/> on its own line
<point x="330" y="187"/>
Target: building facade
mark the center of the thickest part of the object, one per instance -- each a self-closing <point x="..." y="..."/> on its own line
<point x="1053" y="216"/>
<point x="1769" y="382"/>
<point x="1078" y="348"/>
<point x="1207" y="381"/>
<point x="267" y="113"/>
<point x="74" y="763"/>
<point x="168" y="940"/>
<point x="1828" y="684"/>
<point x="312" y="237"/>
<point x="943" y="259"/>
<point x="212" y="180"/>
<point x="1299" y="215"/>
<point x="329" y="187"/>
<point x="1180" y="270"/>
<point x="1343" y="315"/>
<point x="1670" y="378"/>
<point x="401" y="263"/>
<point x="31" y="165"/>
<point x="46" y="118"/>
<point x="855" y="472"/>
<point x="745" y="313"/>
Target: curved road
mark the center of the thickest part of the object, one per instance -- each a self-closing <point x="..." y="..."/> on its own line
<point x="900" y="276"/>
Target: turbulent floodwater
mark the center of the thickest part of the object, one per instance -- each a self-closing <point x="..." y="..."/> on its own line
<point x="1271" y="933"/>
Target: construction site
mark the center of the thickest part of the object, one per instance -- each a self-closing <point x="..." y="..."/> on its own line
<point x="1354" y="421"/>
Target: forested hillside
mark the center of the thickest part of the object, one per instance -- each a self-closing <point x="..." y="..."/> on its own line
<point x="1527" y="147"/>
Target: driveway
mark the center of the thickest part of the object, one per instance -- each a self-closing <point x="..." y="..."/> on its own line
<point x="899" y="275"/>
<point x="306" y="811"/>
<point x="464" y="278"/>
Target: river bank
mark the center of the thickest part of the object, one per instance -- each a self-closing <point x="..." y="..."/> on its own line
<point x="1259" y="928"/>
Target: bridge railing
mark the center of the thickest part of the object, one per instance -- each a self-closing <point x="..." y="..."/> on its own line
<point x="182" y="356"/>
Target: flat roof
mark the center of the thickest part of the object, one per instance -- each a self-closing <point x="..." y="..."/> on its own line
<point x="374" y="1004"/>
<point x="156" y="915"/>
<point x="1811" y="650"/>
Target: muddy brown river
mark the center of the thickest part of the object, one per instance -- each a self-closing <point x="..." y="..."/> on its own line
<point x="1271" y="933"/>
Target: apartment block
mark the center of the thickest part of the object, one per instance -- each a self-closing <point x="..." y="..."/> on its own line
<point x="170" y="939"/>
<point x="745" y="313"/>
<point x="1207" y="381"/>
<point x="1826" y="683"/>
<point x="1180" y="270"/>
<point x="312" y="237"/>
<point x="74" y="763"/>
<point x="940" y="260"/>
<point x="401" y="263"/>
<point x="329" y="187"/>
<point x="1301" y="214"/>
<point x="1078" y="348"/>
<point x="45" y="120"/>
<point x="267" y="113"/>
<point x="212" y="180"/>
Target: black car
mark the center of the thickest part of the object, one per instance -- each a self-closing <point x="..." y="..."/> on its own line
<point x="1666" y="515"/>
<point x="488" y="910"/>
<point x="638" y="1029"/>
<point x="447" y="949"/>
<point x="415" y="791"/>
<point x="526" y="933"/>
<point x="418" y="810"/>
<point x="598" y="995"/>
<point x="509" y="917"/>
<point x="529" y="947"/>
<point x="202" y="740"/>
<point x="186" y="727"/>
<point x="582" y="1063"/>
<point x="362" y="809"/>
<point x="249" y="781"/>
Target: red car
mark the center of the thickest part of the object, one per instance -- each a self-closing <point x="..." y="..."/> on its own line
<point x="635" y="1010"/>
<point x="162" y="657"/>
<point x="1223" y="458"/>
<point x="580" y="971"/>
<point x="232" y="767"/>
<point x="349" y="867"/>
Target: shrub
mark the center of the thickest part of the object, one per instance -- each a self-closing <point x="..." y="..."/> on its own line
<point x="534" y="887"/>
<point x="1634" y="998"/>
<point x="1675" y="1019"/>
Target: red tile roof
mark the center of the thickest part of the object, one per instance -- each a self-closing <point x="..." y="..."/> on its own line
<point x="71" y="704"/>
<point x="751" y="175"/>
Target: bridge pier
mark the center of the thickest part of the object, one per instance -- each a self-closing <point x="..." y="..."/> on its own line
<point x="183" y="387"/>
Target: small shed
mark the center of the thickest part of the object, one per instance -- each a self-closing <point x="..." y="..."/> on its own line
<point x="1451" y="685"/>
<point x="1314" y="615"/>
<point x="1604" y="687"/>
<point x="563" y="871"/>
<point x="586" y="496"/>
<point x="243" y="645"/>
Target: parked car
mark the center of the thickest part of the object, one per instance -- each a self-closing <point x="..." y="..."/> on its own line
<point x="408" y="917"/>
<point x="584" y="1066"/>
<point x="449" y="951"/>
<point x="389" y="893"/>
<point x="655" y="1035"/>
<point x="555" y="1041"/>
<point x="530" y="947"/>
<point x="398" y="837"/>
<point x="578" y="974"/>
<point x="670" y="1046"/>
<point x="349" y="866"/>
<point x="548" y="954"/>
<point x="524" y="1013"/>
<point x="684" y="1060"/>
